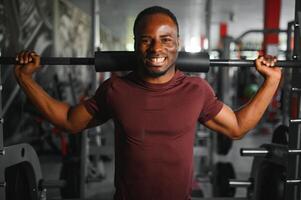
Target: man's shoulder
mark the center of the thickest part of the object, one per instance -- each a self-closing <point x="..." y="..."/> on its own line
<point x="195" y="80"/>
<point x="199" y="84"/>
<point x="117" y="80"/>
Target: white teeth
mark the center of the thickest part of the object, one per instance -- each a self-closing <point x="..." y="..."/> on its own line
<point x="157" y="60"/>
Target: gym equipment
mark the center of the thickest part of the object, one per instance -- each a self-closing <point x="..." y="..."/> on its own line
<point x="223" y="144"/>
<point x="270" y="150"/>
<point x="69" y="173"/>
<point x="222" y="173"/>
<point x="126" y="61"/>
<point x="264" y="31"/>
<point x="21" y="175"/>
<point x="197" y="193"/>
<point x="280" y="135"/>
<point x="219" y="178"/>
<point x="20" y="161"/>
<point x="268" y="178"/>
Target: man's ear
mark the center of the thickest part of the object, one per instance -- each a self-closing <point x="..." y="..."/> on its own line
<point x="179" y="43"/>
<point x="135" y="44"/>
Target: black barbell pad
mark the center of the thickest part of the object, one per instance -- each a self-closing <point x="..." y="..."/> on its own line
<point x="115" y="61"/>
<point x="127" y="61"/>
<point x="193" y="62"/>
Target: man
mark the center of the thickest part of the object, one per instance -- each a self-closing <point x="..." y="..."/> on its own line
<point x="155" y="110"/>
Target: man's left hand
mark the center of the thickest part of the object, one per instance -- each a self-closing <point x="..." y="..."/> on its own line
<point x="265" y="65"/>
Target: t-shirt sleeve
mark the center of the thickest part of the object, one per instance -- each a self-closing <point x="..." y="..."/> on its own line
<point x="212" y="106"/>
<point x="97" y="105"/>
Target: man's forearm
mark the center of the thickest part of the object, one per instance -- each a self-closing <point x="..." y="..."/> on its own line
<point x="54" y="111"/>
<point x="250" y="114"/>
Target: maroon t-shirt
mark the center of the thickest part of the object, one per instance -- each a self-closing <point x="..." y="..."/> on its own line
<point x="154" y="132"/>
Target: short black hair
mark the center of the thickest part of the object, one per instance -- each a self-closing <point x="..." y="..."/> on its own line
<point x="155" y="10"/>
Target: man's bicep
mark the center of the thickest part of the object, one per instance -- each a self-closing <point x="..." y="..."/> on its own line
<point x="224" y="122"/>
<point x="80" y="118"/>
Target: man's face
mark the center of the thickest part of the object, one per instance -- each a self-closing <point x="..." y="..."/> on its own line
<point x="156" y="45"/>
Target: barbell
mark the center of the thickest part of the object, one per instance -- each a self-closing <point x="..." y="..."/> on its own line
<point x="266" y="151"/>
<point x="268" y="178"/>
<point x="126" y="61"/>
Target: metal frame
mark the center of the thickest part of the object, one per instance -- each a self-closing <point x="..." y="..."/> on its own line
<point x="294" y="167"/>
<point x="1" y="116"/>
<point x="264" y="31"/>
<point x="208" y="14"/>
<point x="287" y="73"/>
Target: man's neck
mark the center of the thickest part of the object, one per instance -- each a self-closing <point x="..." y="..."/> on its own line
<point x="157" y="80"/>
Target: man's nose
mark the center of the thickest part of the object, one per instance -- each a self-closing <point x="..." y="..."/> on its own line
<point x="156" y="46"/>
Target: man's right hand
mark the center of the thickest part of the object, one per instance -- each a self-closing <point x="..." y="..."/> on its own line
<point x="28" y="63"/>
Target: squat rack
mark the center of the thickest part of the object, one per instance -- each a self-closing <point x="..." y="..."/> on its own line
<point x="293" y="192"/>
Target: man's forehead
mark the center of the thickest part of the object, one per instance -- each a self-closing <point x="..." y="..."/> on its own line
<point x="159" y="18"/>
<point x="152" y="22"/>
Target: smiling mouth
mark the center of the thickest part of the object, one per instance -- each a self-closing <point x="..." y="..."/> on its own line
<point x="156" y="61"/>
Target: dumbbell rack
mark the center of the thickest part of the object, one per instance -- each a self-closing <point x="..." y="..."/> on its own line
<point x="293" y="191"/>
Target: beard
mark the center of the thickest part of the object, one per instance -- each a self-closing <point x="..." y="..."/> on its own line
<point x="154" y="74"/>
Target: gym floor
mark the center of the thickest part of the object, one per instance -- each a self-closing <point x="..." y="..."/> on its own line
<point x="104" y="190"/>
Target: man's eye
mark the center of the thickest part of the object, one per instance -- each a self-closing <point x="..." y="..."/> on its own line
<point x="145" y="41"/>
<point x="166" y="40"/>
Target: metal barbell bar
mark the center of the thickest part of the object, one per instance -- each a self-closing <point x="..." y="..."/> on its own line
<point x="240" y="183"/>
<point x="126" y="61"/>
<point x="248" y="183"/>
<point x="263" y="151"/>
